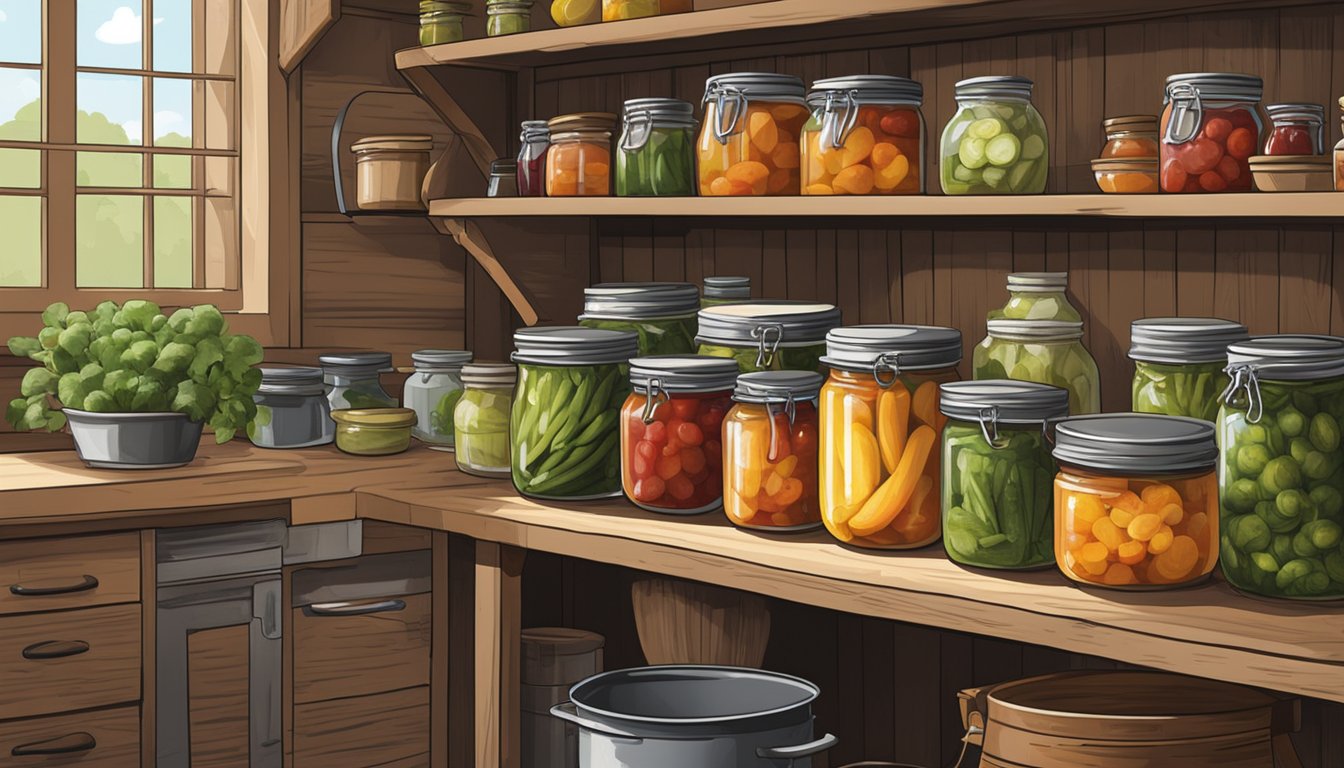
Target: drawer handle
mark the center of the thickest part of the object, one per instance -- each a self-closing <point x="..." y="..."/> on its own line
<point x="84" y="585"/>
<point x="61" y="745"/>
<point x="55" y="649"/>
<point x="353" y="609"/>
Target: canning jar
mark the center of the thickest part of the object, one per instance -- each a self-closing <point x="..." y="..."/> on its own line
<point x="662" y="314"/>
<point x="768" y="335"/>
<point x="655" y="155"/>
<point x="503" y="179"/>
<point x="879" y="432"/>
<point x="724" y="290"/>
<point x="432" y="391"/>
<point x="1037" y="296"/>
<point x="749" y="138"/>
<point x="1295" y="129"/>
<point x="534" y="140"/>
<point x="292" y="409"/>
<point x="481" y="419"/>
<point x="351" y="379"/>
<point x="865" y="137"/>
<point x="1178" y="364"/>
<point x="1210" y="128"/>
<point x="578" y="162"/>
<point x="1136" y="500"/>
<point x="441" y="22"/>
<point x="563" y="430"/>
<point x="1130" y="137"/>
<point x="770" y="452"/>
<point x="998" y="473"/>
<point x="373" y="431"/>
<point x="671" y="428"/>
<point x="996" y="143"/>
<point x="1282" y="471"/>
<point x="1044" y="351"/>
<point x="507" y="17"/>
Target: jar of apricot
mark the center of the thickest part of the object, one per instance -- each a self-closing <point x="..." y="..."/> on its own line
<point x="578" y="162"/>
<point x="866" y="137"/>
<point x="749" y="138"/>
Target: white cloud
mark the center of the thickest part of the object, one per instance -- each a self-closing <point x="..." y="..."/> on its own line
<point x="3" y="17"/>
<point x="18" y="88"/>
<point x="164" y="123"/>
<point x="122" y="29"/>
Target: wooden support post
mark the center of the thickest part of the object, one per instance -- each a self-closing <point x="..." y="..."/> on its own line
<point x="442" y="102"/>
<point x="469" y="236"/>
<point x="499" y="627"/>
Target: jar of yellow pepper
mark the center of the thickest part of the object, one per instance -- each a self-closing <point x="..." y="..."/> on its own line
<point x="879" y="429"/>
<point x="770" y="452"/>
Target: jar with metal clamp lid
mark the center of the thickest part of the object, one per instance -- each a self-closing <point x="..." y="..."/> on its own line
<point x="865" y="137"/>
<point x="655" y="155"/>
<point x="432" y="391"/>
<point x="1211" y="127"/>
<point x="749" y="138"/>
<point x="534" y="140"/>
<point x="768" y="335"/>
<point x="292" y="409"/>
<point x="770" y="452"/>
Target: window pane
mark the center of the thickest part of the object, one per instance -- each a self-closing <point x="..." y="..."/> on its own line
<point x="21" y="31"/>
<point x="109" y="34"/>
<point x="21" y="258"/>
<point x="109" y="241"/>
<point x="172" y="35"/>
<point x="20" y="104"/>
<point x="109" y="169"/>
<point x="172" y="112"/>
<point x="109" y="109"/>
<point x="20" y="168"/>
<point x="172" y="242"/>
<point x="172" y="171"/>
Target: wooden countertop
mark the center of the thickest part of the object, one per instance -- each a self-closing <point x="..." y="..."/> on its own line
<point x="1208" y="630"/>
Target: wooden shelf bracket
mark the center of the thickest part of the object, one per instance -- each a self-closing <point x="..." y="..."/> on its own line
<point x="432" y="91"/>
<point x="469" y="236"/>
<point x="302" y="25"/>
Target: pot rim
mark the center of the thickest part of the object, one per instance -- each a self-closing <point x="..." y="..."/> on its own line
<point x="123" y="415"/>
<point x="810" y="688"/>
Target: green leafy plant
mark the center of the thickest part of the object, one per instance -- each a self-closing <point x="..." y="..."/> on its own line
<point x="133" y="358"/>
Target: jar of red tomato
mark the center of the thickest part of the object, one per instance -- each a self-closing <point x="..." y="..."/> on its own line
<point x="770" y="452"/>
<point x="671" y="454"/>
<point x="1295" y="129"/>
<point x="1211" y="126"/>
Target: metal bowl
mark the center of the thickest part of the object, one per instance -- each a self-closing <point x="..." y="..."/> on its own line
<point x="134" y="440"/>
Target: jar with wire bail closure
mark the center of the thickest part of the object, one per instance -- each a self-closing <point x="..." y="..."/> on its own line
<point x="1179" y="362"/>
<point x="770" y="452"/>
<point x="655" y="155"/>
<point x="749" y="138"/>
<point x="662" y="314"/>
<point x="1211" y="126"/>
<point x="865" y="137"/>
<point x="879" y="432"/>
<point x="768" y="335"/>
<point x="432" y="391"/>
<point x="1282" y="467"/>
<point x="292" y="409"/>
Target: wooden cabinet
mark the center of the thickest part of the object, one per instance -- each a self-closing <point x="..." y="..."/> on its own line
<point x="73" y="572"/>
<point x="372" y="646"/>
<point x="106" y="738"/>
<point x="386" y="729"/>
<point x="57" y="662"/>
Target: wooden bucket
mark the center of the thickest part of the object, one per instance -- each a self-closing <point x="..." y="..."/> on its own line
<point x="1123" y="719"/>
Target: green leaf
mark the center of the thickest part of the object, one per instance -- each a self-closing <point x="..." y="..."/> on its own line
<point x="24" y="346"/>
<point x="70" y="391"/>
<point x="195" y="400"/>
<point x="75" y="339"/>
<point x="140" y="356"/>
<point x="179" y="319"/>
<point x="105" y="310"/>
<point x="56" y="421"/>
<point x="99" y="402"/>
<point x="38" y="381"/>
<point x="139" y="315"/>
<point x="14" y="413"/>
<point x="208" y="352"/>
<point x="175" y="357"/>
<point x="54" y="315"/>
<point x="206" y="320"/>
<point x="49" y="337"/>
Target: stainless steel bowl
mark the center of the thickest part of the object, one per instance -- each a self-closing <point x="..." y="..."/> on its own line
<point x="134" y="440"/>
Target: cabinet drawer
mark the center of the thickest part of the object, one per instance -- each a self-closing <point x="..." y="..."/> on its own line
<point x="69" y="660"/>
<point x="108" y="738"/>
<point x="358" y="648"/>
<point x="386" y="729"/>
<point x="49" y="574"/>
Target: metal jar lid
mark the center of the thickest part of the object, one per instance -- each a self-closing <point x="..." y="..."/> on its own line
<point x="489" y="375"/>
<point x="1038" y="282"/>
<point x="774" y="387"/>
<point x="1288" y="357"/>
<point x="1136" y="443"/>
<point x="869" y="89"/>
<point x="1004" y="401"/>
<point x="347" y="363"/>
<point x="1035" y="330"/>
<point x="727" y="288"/>
<point x="564" y="345"/>
<point x="757" y="85"/>
<point x="583" y="121"/>
<point x="439" y="359"/>
<point x="1183" y="340"/>
<point x="892" y="348"/>
<point x="531" y="130"/>
<point x="791" y="323"/>
<point x="291" y="380"/>
<point x="995" y="87"/>
<point x="639" y="301"/>
<point x="682" y="373"/>
<point x="1216" y="86"/>
<point x="660" y="110"/>
<point x="1311" y="112"/>
<point x="503" y="167"/>
<point x="1125" y="124"/>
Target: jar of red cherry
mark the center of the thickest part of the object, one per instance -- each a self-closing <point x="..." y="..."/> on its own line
<point x="1295" y="129"/>
<point x="671" y="449"/>
<point x="1211" y="126"/>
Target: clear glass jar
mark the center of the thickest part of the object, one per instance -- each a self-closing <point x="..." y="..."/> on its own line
<point x="535" y="140"/>
<point x="1136" y="500"/>
<point x="351" y="379"/>
<point x="578" y="162"/>
<point x="1178" y="364"/>
<point x="481" y="419"/>
<point x="998" y="473"/>
<point x="662" y="314"/>
<point x="1282" y="470"/>
<point x="865" y="137"/>
<point x="749" y="137"/>
<point x="717" y="291"/>
<point x="441" y="22"/>
<point x="671" y="427"/>
<point x="503" y="179"/>
<point x="1037" y="296"/>
<point x="564" y="431"/>
<point x="996" y="143"/>
<point x="1127" y="176"/>
<point x="879" y="432"/>
<point x="1044" y="351"/>
<point x="770" y="452"/>
<point x="432" y="391"/>
<point x="1211" y="127"/>
<point x="768" y="335"/>
<point x="655" y="155"/>
<point x="292" y="409"/>
<point x="1295" y="129"/>
<point x="507" y="17"/>
<point x="1130" y="137"/>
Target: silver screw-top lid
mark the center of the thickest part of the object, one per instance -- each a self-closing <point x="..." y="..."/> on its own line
<point x="757" y="85"/>
<point x="796" y="323"/>
<point x="565" y="345"/>
<point x="660" y="110"/>
<point x="898" y="348"/>
<point x="489" y="375"/>
<point x="870" y="89"/>
<point x="1136" y="443"/>
<point x="1301" y="111"/>
<point x="727" y="288"/>
<point x="1010" y="402"/>
<point x="291" y="380"/>
<point x="683" y="373"/>
<point x="777" y="386"/>
<point x="996" y="86"/>
<point x="1035" y="330"/>
<point x="1289" y="357"/>
<point x="504" y="166"/>
<point x="432" y="359"/>
<point x="347" y="363"/>
<point x="1183" y="340"/>
<point x="1038" y="282"/>
<point x="639" y="301"/>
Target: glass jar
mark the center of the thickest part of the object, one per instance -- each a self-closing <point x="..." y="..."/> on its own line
<point x="1127" y="177"/>
<point x="770" y="452"/>
<point x="481" y="419"/>
<point x="865" y="137"/>
<point x="563" y="430"/>
<point x="998" y="472"/>
<point x="503" y="179"/>
<point x="1178" y="364"/>
<point x="879" y="432"/>
<point x="717" y="291"/>
<point x="1210" y="129"/>
<point x="1037" y="296"/>
<point x="1044" y="351"/>
<point x="768" y="335"/>
<point x="655" y="155"/>
<point x="292" y="409"/>
<point x="373" y="431"/>
<point x="1130" y="137"/>
<point x="662" y="314"/>
<point x="351" y="380"/>
<point x="535" y="140"/>
<point x="507" y="17"/>
<point x="1282" y="471"/>
<point x="441" y="22"/>
<point x="671" y="427"/>
<point x="622" y="10"/>
<point x="749" y="137"/>
<point x="1295" y="129"/>
<point x="573" y="13"/>
<point x="578" y="162"/>
<point x="432" y="391"/>
<point x="996" y="143"/>
<point x="1136" y="500"/>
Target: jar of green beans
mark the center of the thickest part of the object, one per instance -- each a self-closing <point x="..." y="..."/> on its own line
<point x="656" y="152"/>
<point x="1178" y="364"/>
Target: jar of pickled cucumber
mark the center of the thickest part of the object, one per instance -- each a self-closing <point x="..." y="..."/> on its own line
<point x="351" y="380"/>
<point x="1178" y="364"/>
<point x="865" y="137"/>
<point x="1037" y="296"/>
<point x="749" y="137"/>
<point x="768" y="335"/>
<point x="662" y="314"/>
<point x="1044" y="351"/>
<point x="534" y="141"/>
<point x="879" y="432"/>
<point x="1282" y="470"/>
<point x="655" y="155"/>
<point x="507" y="17"/>
<point x="432" y="391"/>
<point x="724" y="290"/>
<point x="996" y="143"/>
<point x="770" y="452"/>
<point x="1136" y="500"/>
<point x="998" y="472"/>
<point x="481" y="419"/>
<point x="578" y="162"/>
<point x="441" y="21"/>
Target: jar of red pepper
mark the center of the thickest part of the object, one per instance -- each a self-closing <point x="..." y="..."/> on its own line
<point x="671" y="450"/>
<point x="1295" y="129"/>
<point x="535" y="140"/>
<point x="1211" y="126"/>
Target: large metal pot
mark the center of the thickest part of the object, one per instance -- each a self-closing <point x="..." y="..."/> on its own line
<point x="687" y="715"/>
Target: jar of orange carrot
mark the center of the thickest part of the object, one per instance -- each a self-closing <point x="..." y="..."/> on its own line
<point x="749" y="139"/>
<point x="770" y="452"/>
<point x="865" y="137"/>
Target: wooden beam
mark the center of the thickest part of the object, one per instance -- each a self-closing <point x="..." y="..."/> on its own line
<point x="428" y="86"/>
<point x="302" y="25"/>
<point x="469" y="236"/>
<point x="499" y="627"/>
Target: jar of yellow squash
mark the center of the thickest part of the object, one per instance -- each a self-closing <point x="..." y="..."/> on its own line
<point x="749" y="138"/>
<point x="865" y="137"/>
<point x="879" y="431"/>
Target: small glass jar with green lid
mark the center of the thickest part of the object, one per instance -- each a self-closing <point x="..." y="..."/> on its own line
<point x="351" y="379"/>
<point x="481" y="419"/>
<point x="662" y="314"/>
<point x="768" y="335"/>
<point x="507" y="17"/>
<point x="724" y="290"/>
<point x="1178" y="364"/>
<point x="1044" y="351"/>
<point x="441" y="21"/>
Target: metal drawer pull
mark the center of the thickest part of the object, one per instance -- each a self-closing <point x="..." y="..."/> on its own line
<point x="61" y="745"/>
<point x="84" y="585"/>
<point x="354" y="609"/>
<point x="55" y="649"/>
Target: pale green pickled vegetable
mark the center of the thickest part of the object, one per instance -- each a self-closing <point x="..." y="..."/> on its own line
<point x="1063" y="363"/>
<point x="998" y="501"/>
<point x="481" y="430"/>
<point x="995" y="148"/>
<point x="1179" y="390"/>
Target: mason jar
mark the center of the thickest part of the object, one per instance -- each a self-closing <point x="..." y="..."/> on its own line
<point x="481" y="419"/>
<point x="662" y="314"/>
<point x="578" y="162"/>
<point x="998" y="473"/>
<point x="996" y="143"/>
<point x="770" y="452"/>
<point x="1044" y="351"/>
<point x="1136" y="500"/>
<point x="1178" y="364"/>
<point x="432" y="391"/>
<point x="507" y="17"/>
<point x="749" y="138"/>
<point x="865" y="137"/>
<point x="724" y="290"/>
<point x="1295" y="129"/>
<point x="1211" y="127"/>
<point x="351" y="379"/>
<point x="292" y="409"/>
<point x="1038" y="296"/>
<point x="768" y="335"/>
<point x="534" y="140"/>
<point x="503" y="180"/>
<point x="655" y="155"/>
<point x="441" y="21"/>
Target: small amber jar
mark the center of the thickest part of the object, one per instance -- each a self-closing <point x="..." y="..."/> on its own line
<point x="1131" y="136"/>
<point x="578" y="162"/>
<point x="770" y="452"/>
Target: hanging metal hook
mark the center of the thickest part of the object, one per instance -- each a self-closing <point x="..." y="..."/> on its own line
<point x="989" y="427"/>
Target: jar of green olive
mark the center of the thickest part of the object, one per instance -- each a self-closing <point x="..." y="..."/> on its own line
<point x="508" y="17"/>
